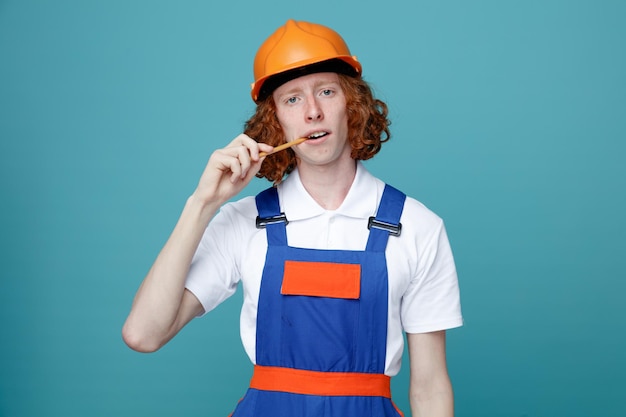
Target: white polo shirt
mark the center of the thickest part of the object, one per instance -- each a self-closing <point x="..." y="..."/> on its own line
<point x="423" y="286"/>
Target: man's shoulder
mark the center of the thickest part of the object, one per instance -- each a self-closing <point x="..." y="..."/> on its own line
<point x="416" y="212"/>
<point x="244" y="208"/>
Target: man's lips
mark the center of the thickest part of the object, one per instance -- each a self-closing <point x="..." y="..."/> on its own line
<point x="317" y="134"/>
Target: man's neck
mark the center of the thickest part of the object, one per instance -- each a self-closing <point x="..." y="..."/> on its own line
<point x="328" y="186"/>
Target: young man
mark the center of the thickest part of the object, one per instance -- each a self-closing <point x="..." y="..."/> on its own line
<point x="335" y="264"/>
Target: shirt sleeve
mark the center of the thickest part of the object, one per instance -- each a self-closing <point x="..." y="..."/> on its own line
<point x="214" y="274"/>
<point x="432" y="299"/>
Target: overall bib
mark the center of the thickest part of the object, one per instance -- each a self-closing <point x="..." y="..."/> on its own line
<point x="322" y="323"/>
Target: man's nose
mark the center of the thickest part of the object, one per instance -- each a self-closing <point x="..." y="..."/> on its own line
<point x="314" y="111"/>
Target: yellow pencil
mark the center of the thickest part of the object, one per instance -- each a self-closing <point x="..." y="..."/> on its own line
<point x="283" y="146"/>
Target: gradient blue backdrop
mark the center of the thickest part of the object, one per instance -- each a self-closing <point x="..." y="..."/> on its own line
<point x="509" y="121"/>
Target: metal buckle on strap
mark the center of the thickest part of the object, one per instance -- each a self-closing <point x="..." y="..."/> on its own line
<point x="261" y="222"/>
<point x="393" y="229"/>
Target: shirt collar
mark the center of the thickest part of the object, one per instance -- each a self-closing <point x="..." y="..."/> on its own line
<point x="361" y="201"/>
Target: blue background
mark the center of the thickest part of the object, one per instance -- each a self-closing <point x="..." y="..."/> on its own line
<point x="509" y="121"/>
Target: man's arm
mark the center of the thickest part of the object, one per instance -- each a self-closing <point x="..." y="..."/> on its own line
<point x="162" y="305"/>
<point x="430" y="390"/>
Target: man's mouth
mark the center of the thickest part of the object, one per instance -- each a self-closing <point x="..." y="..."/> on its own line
<point x="317" y="135"/>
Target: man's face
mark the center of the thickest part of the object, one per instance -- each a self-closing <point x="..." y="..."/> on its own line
<point x="314" y="106"/>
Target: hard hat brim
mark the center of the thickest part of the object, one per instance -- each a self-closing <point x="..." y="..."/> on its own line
<point x="263" y="87"/>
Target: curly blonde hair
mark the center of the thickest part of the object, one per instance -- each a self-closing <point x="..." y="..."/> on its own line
<point x="368" y="128"/>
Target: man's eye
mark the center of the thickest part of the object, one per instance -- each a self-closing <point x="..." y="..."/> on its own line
<point x="327" y="92"/>
<point x="291" y="100"/>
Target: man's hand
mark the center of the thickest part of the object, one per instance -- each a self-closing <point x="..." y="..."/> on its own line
<point x="230" y="169"/>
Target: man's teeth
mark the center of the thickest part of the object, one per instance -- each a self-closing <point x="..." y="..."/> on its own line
<point x="317" y="135"/>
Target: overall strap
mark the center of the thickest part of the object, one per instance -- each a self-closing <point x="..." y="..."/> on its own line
<point x="271" y="218"/>
<point x="387" y="219"/>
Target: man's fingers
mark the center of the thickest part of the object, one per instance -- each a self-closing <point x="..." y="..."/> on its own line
<point x="253" y="147"/>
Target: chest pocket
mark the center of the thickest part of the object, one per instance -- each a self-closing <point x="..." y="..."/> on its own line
<point x="322" y="279"/>
<point x="320" y="304"/>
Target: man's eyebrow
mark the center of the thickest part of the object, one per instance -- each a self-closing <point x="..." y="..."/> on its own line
<point x="326" y="82"/>
<point x="290" y="91"/>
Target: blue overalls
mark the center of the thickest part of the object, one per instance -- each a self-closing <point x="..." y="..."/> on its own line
<point x="322" y="323"/>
